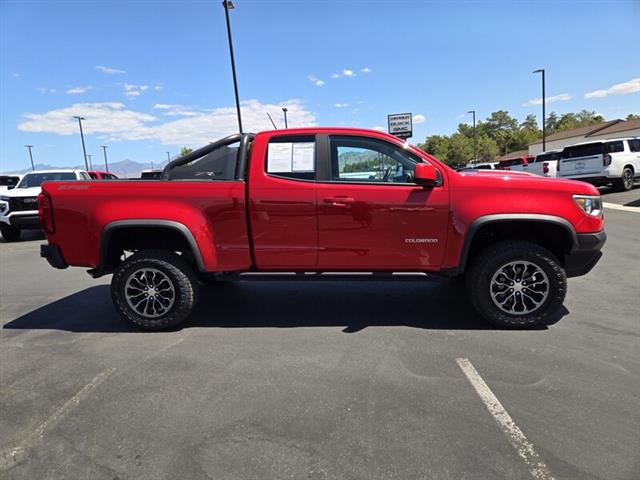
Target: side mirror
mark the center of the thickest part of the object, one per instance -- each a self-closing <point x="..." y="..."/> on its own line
<point x="426" y="175"/>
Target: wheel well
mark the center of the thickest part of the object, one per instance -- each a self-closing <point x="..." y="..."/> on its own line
<point x="554" y="237"/>
<point x="118" y="242"/>
<point x="629" y="166"/>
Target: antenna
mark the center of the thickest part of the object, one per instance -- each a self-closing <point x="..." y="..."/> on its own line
<point x="272" y="123"/>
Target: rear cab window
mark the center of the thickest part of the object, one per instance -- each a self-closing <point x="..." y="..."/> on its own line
<point x="548" y="157"/>
<point x="292" y="157"/>
<point x="219" y="164"/>
<point x="634" y="145"/>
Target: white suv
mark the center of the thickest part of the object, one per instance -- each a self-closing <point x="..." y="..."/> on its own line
<point x="613" y="161"/>
<point x="19" y="206"/>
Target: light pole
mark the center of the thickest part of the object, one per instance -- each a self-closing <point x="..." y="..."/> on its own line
<point x="31" y="156"/>
<point x="228" y="5"/>
<point x="104" y="150"/>
<point x="475" y="156"/>
<point x="90" y="164"/>
<point x="168" y="157"/>
<point x="285" y="110"/>
<point x="544" y="119"/>
<point x="84" y="150"/>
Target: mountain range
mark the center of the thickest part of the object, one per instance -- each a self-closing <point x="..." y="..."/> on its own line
<point x="124" y="169"/>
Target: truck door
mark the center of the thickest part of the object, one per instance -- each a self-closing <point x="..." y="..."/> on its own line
<point x="371" y="216"/>
<point x="282" y="205"/>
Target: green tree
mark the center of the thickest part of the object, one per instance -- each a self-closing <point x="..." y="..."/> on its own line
<point x="632" y="116"/>
<point x="185" y="151"/>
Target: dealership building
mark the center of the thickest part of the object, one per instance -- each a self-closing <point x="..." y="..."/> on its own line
<point x="602" y="131"/>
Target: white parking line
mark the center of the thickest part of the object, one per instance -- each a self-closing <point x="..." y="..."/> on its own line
<point x="524" y="447"/>
<point x="615" y="206"/>
<point x="12" y="456"/>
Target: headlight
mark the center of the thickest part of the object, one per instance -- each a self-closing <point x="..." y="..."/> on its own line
<point x="589" y="204"/>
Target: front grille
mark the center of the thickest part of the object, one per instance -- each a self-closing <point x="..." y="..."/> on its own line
<point x="23" y="204"/>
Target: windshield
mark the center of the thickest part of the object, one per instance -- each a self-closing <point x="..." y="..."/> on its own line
<point x="36" y="179"/>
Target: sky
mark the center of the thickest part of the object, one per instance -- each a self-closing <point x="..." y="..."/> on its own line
<point x="152" y="76"/>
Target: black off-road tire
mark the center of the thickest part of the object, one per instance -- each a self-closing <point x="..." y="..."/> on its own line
<point x="182" y="276"/>
<point x="9" y="232"/>
<point x="491" y="259"/>
<point x="626" y="180"/>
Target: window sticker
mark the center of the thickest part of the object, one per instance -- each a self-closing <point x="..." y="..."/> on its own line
<point x="279" y="157"/>
<point x="302" y="157"/>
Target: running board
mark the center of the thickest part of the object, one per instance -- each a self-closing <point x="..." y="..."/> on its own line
<point x="325" y="276"/>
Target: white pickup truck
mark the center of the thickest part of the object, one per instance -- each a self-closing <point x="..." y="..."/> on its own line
<point x="613" y="161"/>
<point x="19" y="206"/>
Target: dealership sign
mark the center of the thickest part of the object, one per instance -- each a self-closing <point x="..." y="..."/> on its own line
<point x="400" y="125"/>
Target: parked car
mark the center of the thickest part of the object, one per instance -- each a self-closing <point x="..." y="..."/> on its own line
<point x="151" y="174"/>
<point x="19" y="206"/>
<point x="517" y="164"/>
<point x="604" y="162"/>
<point x="287" y="200"/>
<point x="479" y="166"/>
<point x="98" y="175"/>
<point x="545" y="164"/>
<point x="8" y="182"/>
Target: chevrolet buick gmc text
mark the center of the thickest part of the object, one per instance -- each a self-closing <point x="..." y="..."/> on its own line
<point x="325" y="200"/>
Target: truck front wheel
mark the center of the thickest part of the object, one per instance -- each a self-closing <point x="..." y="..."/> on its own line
<point x="154" y="289"/>
<point x="9" y="232"/>
<point x="516" y="284"/>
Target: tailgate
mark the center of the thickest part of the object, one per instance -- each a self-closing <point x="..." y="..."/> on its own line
<point x="580" y="165"/>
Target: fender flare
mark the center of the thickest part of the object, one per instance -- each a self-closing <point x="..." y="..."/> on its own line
<point x="181" y="228"/>
<point x="512" y="217"/>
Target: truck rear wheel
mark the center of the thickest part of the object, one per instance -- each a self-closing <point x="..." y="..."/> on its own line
<point x="9" y="232"/>
<point x="516" y="284"/>
<point x="154" y="289"/>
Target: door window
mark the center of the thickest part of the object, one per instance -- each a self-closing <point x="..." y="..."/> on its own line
<point x="360" y="159"/>
<point x="634" y="145"/>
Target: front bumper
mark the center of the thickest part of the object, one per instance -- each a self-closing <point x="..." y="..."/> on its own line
<point x="53" y="255"/>
<point x="27" y="220"/>
<point x="584" y="256"/>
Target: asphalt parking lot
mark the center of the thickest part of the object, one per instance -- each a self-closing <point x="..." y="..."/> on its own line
<point x="319" y="380"/>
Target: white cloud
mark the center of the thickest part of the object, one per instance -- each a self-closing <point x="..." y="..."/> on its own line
<point x="379" y="128"/>
<point x="341" y="105"/>
<point x="78" y="90"/>
<point x="335" y="75"/>
<point x="348" y="73"/>
<point x="105" y="117"/>
<point x="563" y="97"/>
<point x="157" y="87"/>
<point x="631" y="86"/>
<point x="46" y="90"/>
<point x="317" y="82"/>
<point x="133" y="91"/>
<point x="109" y="70"/>
<point x="174" y="110"/>
<point x="419" y="118"/>
<point x="116" y="123"/>
<point x="366" y="70"/>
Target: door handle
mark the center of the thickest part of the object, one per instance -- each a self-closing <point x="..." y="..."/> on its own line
<point x="340" y="201"/>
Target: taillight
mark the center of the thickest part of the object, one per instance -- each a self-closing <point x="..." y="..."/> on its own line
<point x="606" y="160"/>
<point x="45" y="213"/>
<point x="545" y="167"/>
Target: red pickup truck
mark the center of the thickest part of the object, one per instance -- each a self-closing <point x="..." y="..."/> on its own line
<point x="324" y="200"/>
